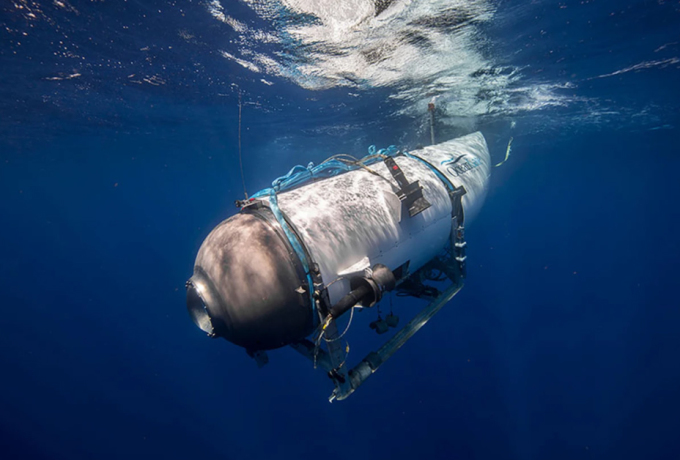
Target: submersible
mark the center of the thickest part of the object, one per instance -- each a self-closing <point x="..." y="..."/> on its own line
<point x="323" y="240"/>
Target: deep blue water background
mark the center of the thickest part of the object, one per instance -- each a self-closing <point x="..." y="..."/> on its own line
<point x="563" y="344"/>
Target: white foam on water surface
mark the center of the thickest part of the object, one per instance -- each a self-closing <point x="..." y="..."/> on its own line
<point x="415" y="50"/>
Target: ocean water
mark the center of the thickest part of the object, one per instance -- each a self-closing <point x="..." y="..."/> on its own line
<point x="119" y="153"/>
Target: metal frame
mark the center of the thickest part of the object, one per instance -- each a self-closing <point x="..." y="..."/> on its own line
<point x="347" y="382"/>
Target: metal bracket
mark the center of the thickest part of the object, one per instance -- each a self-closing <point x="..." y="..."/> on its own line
<point x="411" y="193"/>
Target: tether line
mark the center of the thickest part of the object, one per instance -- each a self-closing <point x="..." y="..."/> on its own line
<point x="240" y="158"/>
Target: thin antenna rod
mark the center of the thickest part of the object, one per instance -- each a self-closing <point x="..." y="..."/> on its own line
<point x="430" y="108"/>
<point x="240" y="159"/>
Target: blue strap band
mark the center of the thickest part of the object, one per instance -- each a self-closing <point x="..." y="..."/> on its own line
<point x="297" y="247"/>
<point x="441" y="176"/>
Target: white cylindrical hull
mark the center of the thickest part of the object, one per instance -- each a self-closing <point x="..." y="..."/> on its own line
<point x="354" y="220"/>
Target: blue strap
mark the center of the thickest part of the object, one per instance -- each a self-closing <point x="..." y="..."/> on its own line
<point x="441" y="176"/>
<point x="297" y="247"/>
<point x="454" y="192"/>
<point x="299" y="174"/>
<point x="295" y="171"/>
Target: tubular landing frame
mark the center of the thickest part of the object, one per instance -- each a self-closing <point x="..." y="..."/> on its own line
<point x="331" y="360"/>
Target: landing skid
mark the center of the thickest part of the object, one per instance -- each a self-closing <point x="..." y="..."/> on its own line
<point x="332" y="358"/>
<point x="346" y="384"/>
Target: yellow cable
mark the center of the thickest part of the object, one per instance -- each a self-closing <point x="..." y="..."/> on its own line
<point x="507" y="154"/>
